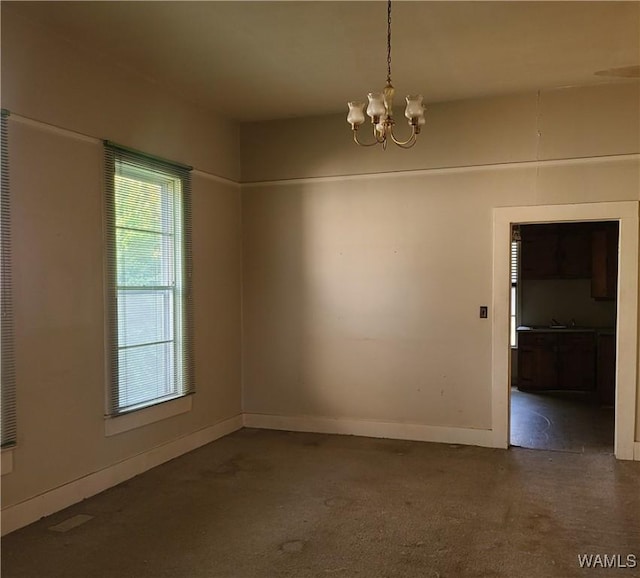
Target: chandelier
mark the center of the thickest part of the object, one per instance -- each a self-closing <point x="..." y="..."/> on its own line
<point x="380" y="109"/>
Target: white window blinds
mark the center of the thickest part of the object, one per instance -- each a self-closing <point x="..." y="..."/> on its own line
<point x="515" y="263"/>
<point x="7" y="361"/>
<point x="148" y="222"/>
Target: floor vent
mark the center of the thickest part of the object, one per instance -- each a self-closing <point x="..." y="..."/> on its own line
<point x="71" y="523"/>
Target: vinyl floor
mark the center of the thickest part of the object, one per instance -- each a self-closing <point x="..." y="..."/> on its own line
<point x="561" y="421"/>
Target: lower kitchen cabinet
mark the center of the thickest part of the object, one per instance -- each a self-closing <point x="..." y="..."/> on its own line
<point x="577" y="361"/>
<point x="607" y="368"/>
<point x="556" y="360"/>
<point x="537" y="361"/>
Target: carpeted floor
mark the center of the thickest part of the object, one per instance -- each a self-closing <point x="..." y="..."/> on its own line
<point x="267" y="504"/>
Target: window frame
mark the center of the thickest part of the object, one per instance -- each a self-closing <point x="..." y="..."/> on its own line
<point x="122" y="161"/>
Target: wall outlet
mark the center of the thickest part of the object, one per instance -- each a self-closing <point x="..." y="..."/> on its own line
<point x="484" y="311"/>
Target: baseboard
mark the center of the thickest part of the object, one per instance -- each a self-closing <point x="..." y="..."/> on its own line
<point x="31" y="510"/>
<point x="636" y="451"/>
<point x="370" y="428"/>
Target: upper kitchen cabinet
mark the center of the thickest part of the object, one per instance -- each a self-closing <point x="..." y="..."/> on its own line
<point x="574" y="251"/>
<point x="604" y="256"/>
<point x="538" y="251"/>
<point x="556" y="251"/>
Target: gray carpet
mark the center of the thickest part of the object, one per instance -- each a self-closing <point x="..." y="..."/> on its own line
<point x="261" y="504"/>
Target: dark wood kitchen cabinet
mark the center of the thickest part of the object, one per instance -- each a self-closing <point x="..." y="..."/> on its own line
<point x="606" y="382"/>
<point x="537" y="363"/>
<point x="556" y="251"/>
<point x="604" y="262"/>
<point x="538" y="251"/>
<point x="560" y="360"/>
<point x="577" y="361"/>
<point x="574" y="251"/>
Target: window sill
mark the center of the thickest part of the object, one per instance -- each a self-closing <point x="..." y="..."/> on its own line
<point x="7" y="461"/>
<point x="122" y="423"/>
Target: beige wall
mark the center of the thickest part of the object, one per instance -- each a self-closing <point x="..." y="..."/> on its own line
<point x="460" y="134"/>
<point x="57" y="184"/>
<point x="50" y="78"/>
<point x="361" y="290"/>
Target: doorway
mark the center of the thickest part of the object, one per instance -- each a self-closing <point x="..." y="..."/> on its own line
<point x="625" y="398"/>
<point x="563" y="315"/>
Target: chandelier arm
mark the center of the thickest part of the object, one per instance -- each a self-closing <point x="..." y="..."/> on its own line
<point x="383" y="123"/>
<point x="407" y="144"/>
<point x="363" y="144"/>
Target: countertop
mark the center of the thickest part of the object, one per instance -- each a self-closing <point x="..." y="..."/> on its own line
<point x="566" y="329"/>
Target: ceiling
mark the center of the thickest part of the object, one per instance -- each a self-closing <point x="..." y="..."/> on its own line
<point x="266" y="60"/>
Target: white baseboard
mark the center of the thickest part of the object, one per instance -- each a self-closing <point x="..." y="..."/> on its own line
<point x="373" y="429"/>
<point x="31" y="510"/>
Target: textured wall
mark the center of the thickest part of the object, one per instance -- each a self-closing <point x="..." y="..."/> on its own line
<point x="57" y="186"/>
<point x="364" y="269"/>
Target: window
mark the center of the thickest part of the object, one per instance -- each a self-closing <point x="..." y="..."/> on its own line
<point x="7" y="359"/>
<point x="148" y="227"/>
<point x="515" y="256"/>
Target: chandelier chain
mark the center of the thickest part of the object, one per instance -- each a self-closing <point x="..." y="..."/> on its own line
<point x="389" y="42"/>
<point x="380" y="110"/>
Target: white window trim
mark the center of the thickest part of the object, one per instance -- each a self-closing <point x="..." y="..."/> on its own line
<point x="626" y="212"/>
<point x="180" y="402"/>
<point x="118" y="424"/>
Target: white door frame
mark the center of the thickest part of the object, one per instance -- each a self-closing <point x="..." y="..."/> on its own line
<point x="626" y="212"/>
